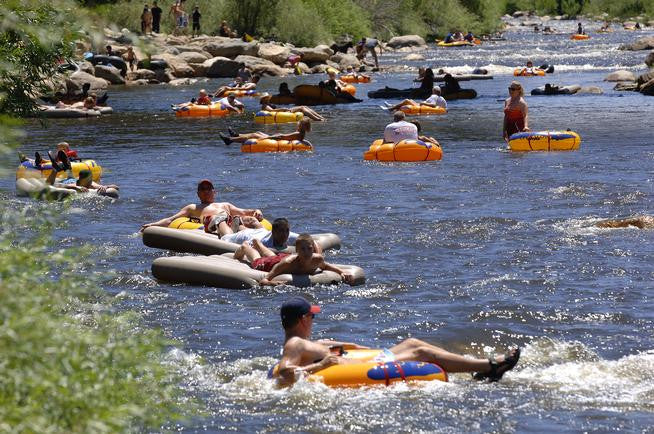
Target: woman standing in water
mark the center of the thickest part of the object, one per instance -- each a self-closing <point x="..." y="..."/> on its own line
<point x="516" y="112"/>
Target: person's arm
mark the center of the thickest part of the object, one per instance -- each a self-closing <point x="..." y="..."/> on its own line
<point x="184" y="212"/>
<point x="525" y="112"/>
<point x="254" y="212"/>
<point x="325" y="266"/>
<point x="292" y="357"/>
<point x="295" y="135"/>
<point x="283" y="267"/>
<point x="345" y="345"/>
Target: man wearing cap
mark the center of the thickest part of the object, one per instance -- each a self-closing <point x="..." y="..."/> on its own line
<point x="435" y="100"/>
<point x="218" y="213"/>
<point x="301" y="355"/>
<point x="400" y="129"/>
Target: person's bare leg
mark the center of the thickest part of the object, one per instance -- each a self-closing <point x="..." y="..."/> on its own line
<point x="263" y="250"/>
<point x="415" y="349"/>
<point x="246" y="251"/>
<point x="247" y="136"/>
<point x="308" y="112"/>
<point x="249" y="222"/>
<point x="402" y="104"/>
<point x="224" y="229"/>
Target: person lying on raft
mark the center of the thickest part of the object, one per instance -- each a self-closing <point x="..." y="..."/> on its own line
<point x="83" y="183"/>
<point x="451" y="84"/>
<point x="305" y="260"/>
<point x="251" y="85"/>
<point x="202" y="99"/>
<point x="303" y="127"/>
<point x="469" y="37"/>
<point x="426" y="139"/>
<point x="61" y="146"/>
<point x="310" y="113"/>
<point x="435" y="100"/>
<point x="303" y="356"/>
<point x="251" y="230"/>
<point x="207" y="208"/>
<point x="332" y="77"/>
<point x="350" y="71"/>
<point x="87" y="104"/>
<point x="232" y="104"/>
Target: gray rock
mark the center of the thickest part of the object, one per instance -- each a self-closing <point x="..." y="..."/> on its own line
<point x="345" y="60"/>
<point x="193" y="57"/>
<point x="109" y="73"/>
<point x="172" y="50"/>
<point x="415" y="56"/>
<point x="644" y="78"/>
<point x="177" y="65"/>
<point x="595" y="90"/>
<point x="626" y="86"/>
<point x="406" y="41"/>
<point x="164" y="75"/>
<point x="199" y="69"/>
<point x="230" y="47"/>
<point x="321" y="68"/>
<point x="183" y="81"/>
<point x="76" y="80"/>
<point x="277" y="54"/>
<point x="304" y="68"/>
<point x="191" y="48"/>
<point x="221" y="67"/>
<point x="141" y="74"/>
<point x="139" y="82"/>
<point x="260" y="66"/>
<point x="646" y="43"/>
<point x="87" y="67"/>
<point x="621" y="76"/>
<point x="647" y="88"/>
<point x="176" y="40"/>
<point x="318" y="54"/>
<point x="649" y="60"/>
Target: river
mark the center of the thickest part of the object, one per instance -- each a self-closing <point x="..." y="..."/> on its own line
<point x="478" y="252"/>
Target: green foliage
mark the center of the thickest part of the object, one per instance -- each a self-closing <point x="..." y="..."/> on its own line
<point x="252" y="16"/>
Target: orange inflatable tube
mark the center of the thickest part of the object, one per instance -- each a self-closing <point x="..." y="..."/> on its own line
<point x="423" y="110"/>
<point x="197" y="110"/>
<point x="349" y="89"/>
<point x="350" y="78"/>
<point x="271" y="145"/>
<point x="406" y="150"/>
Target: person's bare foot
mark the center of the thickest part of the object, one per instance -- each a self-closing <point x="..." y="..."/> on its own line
<point x="499" y="366"/>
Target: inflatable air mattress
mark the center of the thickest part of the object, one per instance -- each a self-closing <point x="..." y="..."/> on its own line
<point x="556" y="90"/>
<point x="67" y="113"/>
<point x="223" y="271"/>
<point x="37" y="188"/>
<point x="545" y="141"/>
<point x="464" y="77"/>
<point x="28" y="170"/>
<point x="270" y="145"/>
<point x="423" y="110"/>
<point x="307" y="94"/>
<point x="265" y="117"/>
<point x="202" y="243"/>
<point x="461" y="94"/>
<point x="579" y="37"/>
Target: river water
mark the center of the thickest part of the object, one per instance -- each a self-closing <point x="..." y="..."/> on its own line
<point x="478" y="252"/>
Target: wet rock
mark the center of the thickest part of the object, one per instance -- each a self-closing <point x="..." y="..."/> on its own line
<point x="303" y="67"/>
<point x="260" y="66"/>
<point x="175" y="40"/>
<point x="109" y="73"/>
<point x="407" y="41"/>
<point x="87" y="67"/>
<point x="621" y="76"/>
<point x="178" y="66"/>
<point x="321" y="68"/>
<point x="199" y="69"/>
<point x="647" y="88"/>
<point x="141" y="74"/>
<point x="139" y="82"/>
<point x="77" y="79"/>
<point x="194" y="57"/>
<point x="164" y="75"/>
<point x="626" y="86"/>
<point x="345" y="60"/>
<point x="278" y="54"/>
<point x="646" y="43"/>
<point x="595" y="90"/>
<point x="318" y="54"/>
<point x="221" y="67"/>
<point x="644" y="78"/>
<point x="414" y="56"/>
<point x="230" y="47"/>
<point x="649" y="60"/>
<point x="518" y="14"/>
<point x="183" y="81"/>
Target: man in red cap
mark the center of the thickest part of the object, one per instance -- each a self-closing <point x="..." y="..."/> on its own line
<point x="215" y="215"/>
<point x="301" y="355"/>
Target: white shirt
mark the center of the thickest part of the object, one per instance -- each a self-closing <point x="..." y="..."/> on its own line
<point x="262" y="234"/>
<point x="437" y="100"/>
<point x="398" y="131"/>
<point x="225" y="103"/>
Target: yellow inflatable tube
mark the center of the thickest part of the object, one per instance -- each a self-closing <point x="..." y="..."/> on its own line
<point x="350" y="78"/>
<point x="28" y="170"/>
<point x="241" y="93"/>
<point x="545" y="141"/>
<point x="270" y="145"/>
<point x="423" y="110"/>
<point x="365" y="371"/>
<point x="524" y="73"/>
<point x="193" y="223"/>
<point x="265" y="117"/>
<point x="406" y="150"/>
<point x="197" y="110"/>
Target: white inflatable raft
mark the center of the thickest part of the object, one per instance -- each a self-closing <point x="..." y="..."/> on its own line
<point x="223" y="271"/>
<point x="202" y="243"/>
<point x="34" y="187"/>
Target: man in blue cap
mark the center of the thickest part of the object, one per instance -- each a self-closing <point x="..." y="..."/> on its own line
<point x="301" y="355"/>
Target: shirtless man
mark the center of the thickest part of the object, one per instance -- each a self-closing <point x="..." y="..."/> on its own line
<point x="208" y="210"/>
<point x="301" y="355"/>
<point x="303" y="127"/>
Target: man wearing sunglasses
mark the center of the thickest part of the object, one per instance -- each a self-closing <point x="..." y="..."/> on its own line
<point x="215" y="215"/>
<point x="302" y="356"/>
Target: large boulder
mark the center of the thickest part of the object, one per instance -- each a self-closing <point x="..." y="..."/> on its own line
<point x="410" y="41"/>
<point x="183" y="81"/>
<point x="109" y="73"/>
<point x="192" y="48"/>
<point x="164" y="75"/>
<point x="199" y="69"/>
<point x="621" y="76"/>
<point x="221" y="67"/>
<point x="345" y="60"/>
<point x="77" y="79"/>
<point x="230" y="47"/>
<point x="194" y="57"/>
<point x="644" y="78"/>
<point x="626" y="86"/>
<point x="274" y="52"/>
<point x="260" y="66"/>
<point x="647" y="88"/>
<point x="320" y="68"/>
<point x="141" y="74"/>
<point x="595" y="90"/>
<point x="646" y="43"/>
<point x="87" y="67"/>
<point x="649" y="60"/>
<point x="179" y="67"/>
<point x="176" y="40"/>
<point x="414" y="57"/>
<point x="318" y="54"/>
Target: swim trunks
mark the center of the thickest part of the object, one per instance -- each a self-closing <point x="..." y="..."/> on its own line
<point x="211" y="222"/>
<point x="267" y="263"/>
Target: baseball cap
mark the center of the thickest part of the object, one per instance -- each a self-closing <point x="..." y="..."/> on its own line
<point x="205" y="182"/>
<point x="295" y="307"/>
<point x="438" y="88"/>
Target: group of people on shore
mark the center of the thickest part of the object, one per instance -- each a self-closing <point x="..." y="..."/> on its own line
<point x="151" y="20"/>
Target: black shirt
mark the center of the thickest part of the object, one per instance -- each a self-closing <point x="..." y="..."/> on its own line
<point x="196" y="17"/>
<point x="156" y="13"/>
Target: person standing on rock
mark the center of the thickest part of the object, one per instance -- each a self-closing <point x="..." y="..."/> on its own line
<point x="156" y="17"/>
<point x="368" y="45"/>
<point x="196" y="22"/>
<point x="130" y="58"/>
<point x="146" y="21"/>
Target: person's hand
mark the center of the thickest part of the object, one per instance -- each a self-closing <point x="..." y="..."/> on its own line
<point x="82" y="189"/>
<point x="145" y="226"/>
<point x="526" y="129"/>
<point x="330" y="360"/>
<point x="258" y="214"/>
<point x="102" y="189"/>
<point x="347" y="277"/>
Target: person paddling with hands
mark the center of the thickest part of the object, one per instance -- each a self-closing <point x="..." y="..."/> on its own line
<point x="303" y="356"/>
<point x="516" y="112"/>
